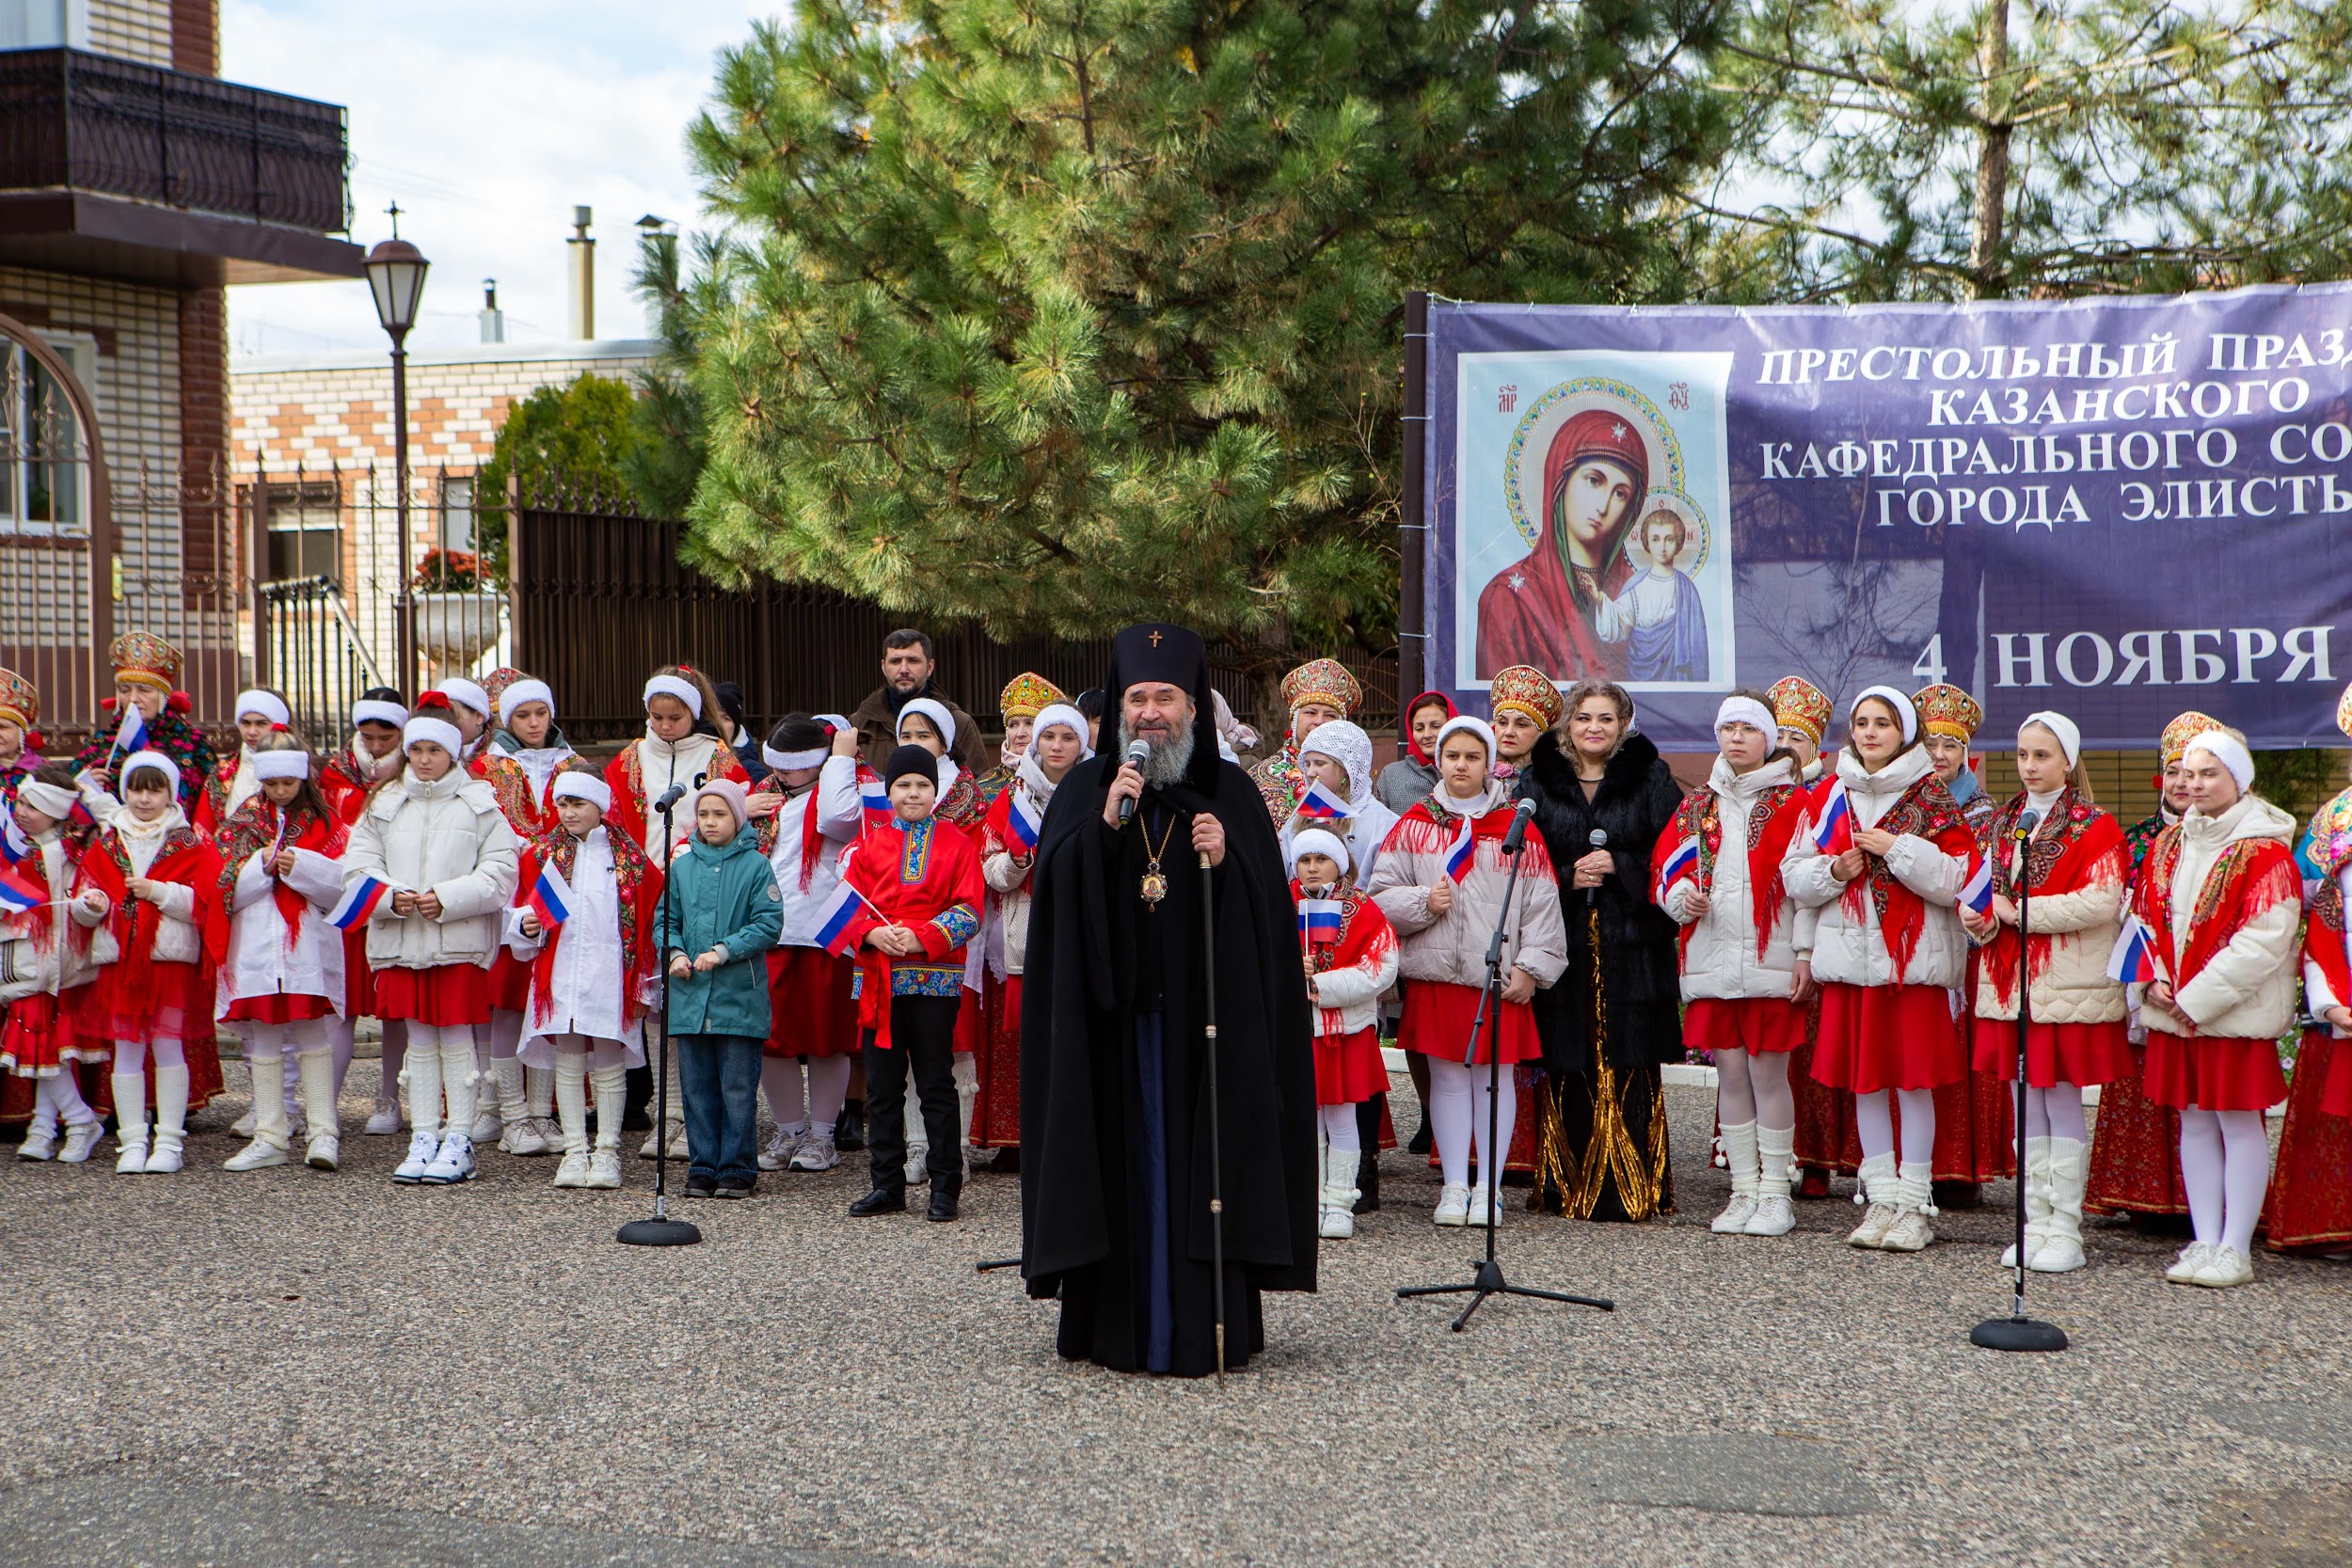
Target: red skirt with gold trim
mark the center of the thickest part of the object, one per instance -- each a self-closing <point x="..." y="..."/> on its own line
<point x="2134" y="1153"/>
<point x="2308" y="1206"/>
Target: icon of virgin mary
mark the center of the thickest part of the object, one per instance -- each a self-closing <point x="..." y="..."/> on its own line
<point x="1540" y="611"/>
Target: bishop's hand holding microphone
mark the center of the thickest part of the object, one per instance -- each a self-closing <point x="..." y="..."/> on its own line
<point x="1126" y="785"/>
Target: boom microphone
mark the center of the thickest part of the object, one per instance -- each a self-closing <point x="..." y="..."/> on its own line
<point x="1516" y="840"/>
<point x="1137" y="754"/>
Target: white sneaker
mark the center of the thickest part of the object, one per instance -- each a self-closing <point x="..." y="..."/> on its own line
<point x="1475" y="1215"/>
<point x="1734" y="1220"/>
<point x="487" y="1128"/>
<point x="2193" y="1257"/>
<point x="2057" y="1255"/>
<point x="523" y="1139"/>
<point x="1877" y="1220"/>
<point x="1911" y="1232"/>
<point x="133" y="1159"/>
<point x="1774" y="1216"/>
<point x="1453" y="1206"/>
<point x="1336" y="1225"/>
<point x="2227" y="1267"/>
<point x="551" y="1132"/>
<point x="165" y="1158"/>
<point x="573" y="1172"/>
<point x="453" y="1163"/>
<point x="256" y="1155"/>
<point x="424" y="1148"/>
<point x="918" y="1166"/>
<point x="781" y="1148"/>
<point x="604" y="1170"/>
<point x="383" y="1122"/>
<point x="2033" y="1250"/>
<point x="80" y="1141"/>
<point x="678" y="1149"/>
<point x="325" y="1152"/>
<point x="40" y="1143"/>
<point x="817" y="1152"/>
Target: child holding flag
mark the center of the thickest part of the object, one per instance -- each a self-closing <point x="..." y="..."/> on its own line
<point x="50" y="963"/>
<point x="1336" y="793"/>
<point x="346" y="779"/>
<point x="1350" y="956"/>
<point x="583" y="916"/>
<point x="282" y="976"/>
<point x="2076" y="868"/>
<point x="519" y="762"/>
<point x="1746" y="994"/>
<point x="1440" y="881"/>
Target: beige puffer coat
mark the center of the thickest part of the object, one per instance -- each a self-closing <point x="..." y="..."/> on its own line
<point x="2082" y="924"/>
<point x="2246" y="990"/>
<point x="448" y="838"/>
<point x="1851" y="951"/>
<point x="1451" y="947"/>
<point x="1719" y="962"/>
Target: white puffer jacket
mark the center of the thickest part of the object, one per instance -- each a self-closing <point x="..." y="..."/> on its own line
<point x="2245" y="991"/>
<point x="74" y="952"/>
<point x="1350" y="997"/>
<point x="1851" y="951"/>
<point x="1721" y="963"/>
<point x="1451" y="947"/>
<point x="265" y="958"/>
<point x="446" y="838"/>
<point x="2082" y="924"/>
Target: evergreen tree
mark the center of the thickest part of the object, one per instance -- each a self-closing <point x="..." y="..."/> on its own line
<point x="1057" y="313"/>
<point x="571" y="440"/>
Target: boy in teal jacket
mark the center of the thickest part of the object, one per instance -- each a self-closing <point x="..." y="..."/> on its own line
<point x="720" y="914"/>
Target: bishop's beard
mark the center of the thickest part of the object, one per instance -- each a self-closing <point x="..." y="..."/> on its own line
<point x="1168" y="761"/>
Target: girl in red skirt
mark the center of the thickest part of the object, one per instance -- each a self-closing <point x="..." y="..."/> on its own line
<point x="1350" y="960"/>
<point x="806" y="813"/>
<point x="2308" y="1206"/>
<point x="519" y="762"/>
<point x="2221" y="898"/>
<point x="346" y="779"/>
<point x="1745" y="993"/>
<point x="1887" y="950"/>
<point x="52" y="953"/>
<point x="2076" y="869"/>
<point x="431" y="867"/>
<point x="1440" y="881"/>
<point x="160" y="879"/>
<point x="282" y="976"/>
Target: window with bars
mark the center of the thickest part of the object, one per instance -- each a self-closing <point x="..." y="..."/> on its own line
<point x="44" y="482"/>
<point x="306" y="531"/>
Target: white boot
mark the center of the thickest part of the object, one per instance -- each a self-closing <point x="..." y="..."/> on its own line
<point x="1337" y="1219"/>
<point x="604" y="1161"/>
<point x="2036" y="1175"/>
<point x="1915" y="1198"/>
<point x="967" y="1094"/>
<point x="539" y="1104"/>
<point x="270" y="1135"/>
<point x="323" y="1151"/>
<point x="172" y="1118"/>
<point x="460" y="1084"/>
<point x="130" y="1123"/>
<point x="522" y="1135"/>
<point x="571" y="1099"/>
<point x="1874" y="1183"/>
<point x="1775" y="1147"/>
<point x="2061" y="1251"/>
<point x="1739" y="1154"/>
<point x="486" y="1125"/>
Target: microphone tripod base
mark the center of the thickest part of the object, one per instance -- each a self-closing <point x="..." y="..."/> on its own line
<point x="1487" y="1281"/>
<point x="658" y="1233"/>
<point x="2017" y="1334"/>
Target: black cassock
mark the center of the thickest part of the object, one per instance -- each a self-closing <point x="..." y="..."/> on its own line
<point x="1114" y="1076"/>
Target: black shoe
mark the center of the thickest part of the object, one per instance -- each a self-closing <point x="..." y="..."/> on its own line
<point x="1007" y="1161"/>
<point x="1368" y="1183"/>
<point x="1421" y="1143"/>
<point x="849" y="1134"/>
<point x="701" y="1186"/>
<point x="943" y="1205"/>
<point x="882" y="1200"/>
<point x="737" y="1189"/>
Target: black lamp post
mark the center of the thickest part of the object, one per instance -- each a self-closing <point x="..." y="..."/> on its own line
<point x="396" y="272"/>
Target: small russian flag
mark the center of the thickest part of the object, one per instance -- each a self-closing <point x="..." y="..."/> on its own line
<point x="1682" y="863"/>
<point x="1459" y="855"/>
<point x="1978" y="893"/>
<point x="832" y="923"/>
<point x="550" y="899"/>
<point x="79" y="814"/>
<point x="1833" y="834"/>
<point x="17" y="895"/>
<point x="358" y="903"/>
<point x="1320" y="919"/>
<point x="1022" y="821"/>
<point x="2134" y="959"/>
<point x="130" y="732"/>
<point x="873" y="799"/>
<point x="14" y="846"/>
<point x="1320" y="804"/>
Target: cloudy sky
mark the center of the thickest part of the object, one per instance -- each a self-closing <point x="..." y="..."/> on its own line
<point x="489" y="124"/>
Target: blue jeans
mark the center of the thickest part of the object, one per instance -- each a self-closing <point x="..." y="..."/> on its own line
<point x="718" y="1077"/>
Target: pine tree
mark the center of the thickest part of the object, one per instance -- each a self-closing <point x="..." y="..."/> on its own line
<point x="1057" y="313"/>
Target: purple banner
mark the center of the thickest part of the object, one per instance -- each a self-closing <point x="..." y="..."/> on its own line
<point x="2119" y="509"/>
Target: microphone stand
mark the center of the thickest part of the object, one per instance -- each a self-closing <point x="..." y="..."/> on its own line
<point x="2018" y="1331"/>
<point x="1487" y="1278"/>
<point x="661" y="1231"/>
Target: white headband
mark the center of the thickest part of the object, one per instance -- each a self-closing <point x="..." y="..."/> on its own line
<point x="459" y="689"/>
<point x="1900" y="704"/>
<point x="289" y="764"/>
<point x="2228" y="752"/>
<point x="267" y="703"/>
<point x="1319" y="841"/>
<point x="440" y="732"/>
<point x="837" y="720"/>
<point x="524" y="692"/>
<point x="1746" y="710"/>
<point x="583" y="786"/>
<point x="2070" y="734"/>
<point x="781" y="761"/>
<point x="1467" y="724"/>
<point x="48" y="799"/>
<point x="156" y="760"/>
<point x="1068" y="718"/>
<point x="377" y="711"/>
<point x="674" y="686"/>
<point x="937" y="713"/>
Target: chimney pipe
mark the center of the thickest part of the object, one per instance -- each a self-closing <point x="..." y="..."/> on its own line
<point x="584" y="275"/>
<point x="493" y="319"/>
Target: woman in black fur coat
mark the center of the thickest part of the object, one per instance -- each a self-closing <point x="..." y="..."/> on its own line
<point x="1603" y="1119"/>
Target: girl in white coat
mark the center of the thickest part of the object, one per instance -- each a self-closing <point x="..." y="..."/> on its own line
<point x="1744" y="990"/>
<point x="1887" y="950"/>
<point x="431" y="866"/>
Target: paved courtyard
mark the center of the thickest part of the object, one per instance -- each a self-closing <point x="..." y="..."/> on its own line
<point x="293" y="1368"/>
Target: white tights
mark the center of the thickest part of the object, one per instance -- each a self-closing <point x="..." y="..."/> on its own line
<point x="440" y="1058"/>
<point x="1339" y="1129"/>
<point x="2055" y="1112"/>
<point x="1458" y="1105"/>
<point x="1874" y="1121"/>
<point x="2225" y="1166"/>
<point x="805" y="1091"/>
<point x="1754" y="1088"/>
<point x="131" y="1056"/>
<point x="395" y="1057"/>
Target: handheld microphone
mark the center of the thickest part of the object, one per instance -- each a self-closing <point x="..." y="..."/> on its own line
<point x="1137" y="754"/>
<point x="1516" y="840"/>
<point x="1598" y="839"/>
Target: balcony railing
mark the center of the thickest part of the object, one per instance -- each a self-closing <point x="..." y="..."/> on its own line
<point x="76" y="122"/>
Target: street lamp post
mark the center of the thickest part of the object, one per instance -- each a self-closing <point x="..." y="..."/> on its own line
<point x="396" y="272"/>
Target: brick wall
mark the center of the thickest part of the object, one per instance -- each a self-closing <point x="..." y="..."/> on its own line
<point x="196" y="36"/>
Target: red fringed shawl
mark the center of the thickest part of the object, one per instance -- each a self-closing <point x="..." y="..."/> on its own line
<point x="254" y="828"/>
<point x="1365" y="936"/>
<point x="2086" y="848"/>
<point x="2252" y="877"/>
<point x="636" y="880"/>
<point x="188" y="859"/>
<point x="1926" y="810"/>
<point x="1772" y="823"/>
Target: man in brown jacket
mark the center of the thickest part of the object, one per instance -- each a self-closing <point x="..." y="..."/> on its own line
<point x="907" y="665"/>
